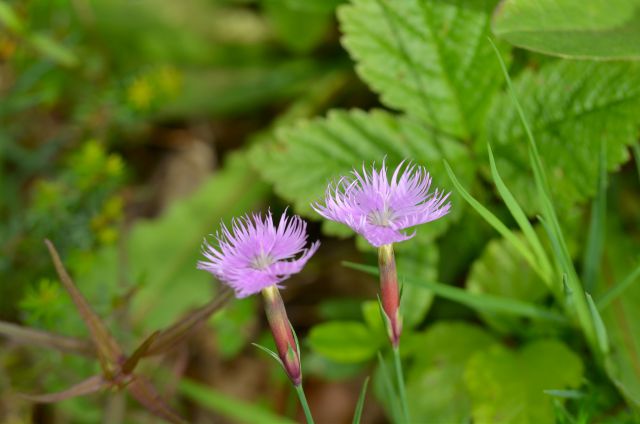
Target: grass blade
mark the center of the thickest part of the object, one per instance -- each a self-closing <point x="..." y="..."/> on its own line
<point x="597" y="227"/>
<point x="494" y="221"/>
<point x="360" y="405"/>
<point x="636" y="156"/>
<point x="33" y="337"/>
<point x="601" y="330"/>
<point x="388" y="390"/>
<point x="228" y="406"/>
<point x="615" y="291"/>
<point x="147" y="395"/>
<point x="548" y="212"/>
<point x="88" y="386"/>
<point x="476" y="301"/>
<point x="168" y="338"/>
<point x="108" y="350"/>
<point x="544" y="270"/>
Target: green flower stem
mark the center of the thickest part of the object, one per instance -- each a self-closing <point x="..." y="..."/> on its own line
<point x="401" y="389"/>
<point x="303" y="402"/>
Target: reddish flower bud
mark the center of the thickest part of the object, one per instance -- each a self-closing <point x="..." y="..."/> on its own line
<point x="282" y="333"/>
<point x="389" y="292"/>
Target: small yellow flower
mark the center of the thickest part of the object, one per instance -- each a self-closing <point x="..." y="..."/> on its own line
<point x="140" y="93"/>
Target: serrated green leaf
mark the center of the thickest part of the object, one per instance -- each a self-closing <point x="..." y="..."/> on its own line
<point x="435" y="387"/>
<point x="345" y="341"/>
<point x="304" y="158"/>
<point x="508" y="387"/>
<point x="601" y="29"/>
<point x="428" y="59"/>
<point x="501" y="271"/>
<point x="572" y="107"/>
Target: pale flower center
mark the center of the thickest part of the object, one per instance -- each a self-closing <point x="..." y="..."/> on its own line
<point x="262" y="261"/>
<point x="382" y="217"/>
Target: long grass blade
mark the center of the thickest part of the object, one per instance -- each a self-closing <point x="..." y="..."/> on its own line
<point x="33" y="337"/>
<point x="144" y="392"/>
<point x="390" y="393"/>
<point x="601" y="330"/>
<point x="636" y="156"/>
<point x="493" y="220"/>
<point x="523" y="222"/>
<point x="617" y="290"/>
<point x="227" y="406"/>
<point x="357" y="415"/>
<point x="597" y="227"/>
<point x="548" y="212"/>
<point x="109" y="351"/>
<point x="88" y="386"/>
<point x="476" y="301"/>
<point x="176" y="333"/>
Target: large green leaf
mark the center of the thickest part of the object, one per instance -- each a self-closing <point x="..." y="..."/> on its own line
<point x="508" y="386"/>
<point x="162" y="253"/>
<point x="304" y="158"/>
<point x="599" y="29"/>
<point x="427" y="58"/>
<point x="500" y="270"/>
<point x="435" y="387"/>
<point x="345" y="341"/>
<point x="572" y="107"/>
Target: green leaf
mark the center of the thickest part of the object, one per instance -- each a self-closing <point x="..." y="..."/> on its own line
<point x="419" y="259"/>
<point x="501" y="271"/>
<point x="435" y="387"/>
<point x="304" y="158"/>
<point x="601" y="29"/>
<point x="428" y="59"/>
<point x="163" y="252"/>
<point x="53" y="50"/>
<point x="572" y="108"/>
<point x="230" y="325"/>
<point x="508" y="386"/>
<point x="345" y="341"/>
<point x="228" y="406"/>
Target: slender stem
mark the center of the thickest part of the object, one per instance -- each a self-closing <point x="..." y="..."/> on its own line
<point x="303" y="402"/>
<point x="401" y="389"/>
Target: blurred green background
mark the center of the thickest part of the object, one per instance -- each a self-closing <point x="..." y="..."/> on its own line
<point x="129" y="129"/>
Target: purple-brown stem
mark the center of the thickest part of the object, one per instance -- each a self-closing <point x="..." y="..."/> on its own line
<point x="390" y="292"/>
<point x="282" y="333"/>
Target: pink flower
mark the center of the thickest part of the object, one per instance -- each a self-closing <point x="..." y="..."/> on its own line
<point x="257" y="254"/>
<point x="380" y="208"/>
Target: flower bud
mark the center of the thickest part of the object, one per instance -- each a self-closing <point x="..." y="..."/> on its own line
<point x="389" y="292"/>
<point x="282" y="333"/>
